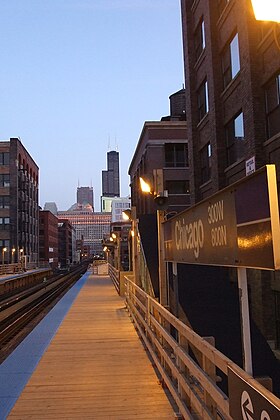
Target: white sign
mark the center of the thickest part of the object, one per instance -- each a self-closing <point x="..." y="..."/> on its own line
<point x="250" y="166"/>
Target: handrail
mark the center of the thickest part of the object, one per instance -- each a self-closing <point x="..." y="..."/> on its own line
<point x="186" y="362"/>
<point x="114" y="275"/>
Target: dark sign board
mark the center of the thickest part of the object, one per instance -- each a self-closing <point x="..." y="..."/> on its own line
<point x="247" y="402"/>
<point x="238" y="226"/>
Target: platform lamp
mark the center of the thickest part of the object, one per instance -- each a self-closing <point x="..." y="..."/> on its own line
<point x="130" y="214"/>
<point x="268" y="10"/>
<point x="161" y="202"/>
<point x="13" y="254"/>
<point x="3" y="254"/>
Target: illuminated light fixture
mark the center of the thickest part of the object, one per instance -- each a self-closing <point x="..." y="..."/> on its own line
<point x="111" y="239"/>
<point x="268" y="10"/>
<point x="126" y="214"/>
<point x="145" y="187"/>
<point x="105" y="249"/>
<point x="132" y="233"/>
<point x="114" y="236"/>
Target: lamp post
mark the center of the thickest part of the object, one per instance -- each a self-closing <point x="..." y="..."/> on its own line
<point x="13" y="255"/>
<point x="269" y="11"/>
<point x="266" y="10"/>
<point x="160" y="198"/>
<point x="3" y="254"/>
<point x="130" y="214"/>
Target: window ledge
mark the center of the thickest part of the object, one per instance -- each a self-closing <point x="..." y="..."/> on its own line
<point x="200" y="59"/>
<point x="272" y="139"/>
<point x="231" y="86"/>
<point x="206" y="183"/>
<point x="228" y="168"/>
<point x="204" y="120"/>
<point x="225" y="13"/>
<point x="176" y="167"/>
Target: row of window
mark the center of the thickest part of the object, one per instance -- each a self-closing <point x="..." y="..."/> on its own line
<point x="176" y="155"/>
<point x="4" y="158"/>
<point x="4" y="223"/>
<point x="234" y="134"/>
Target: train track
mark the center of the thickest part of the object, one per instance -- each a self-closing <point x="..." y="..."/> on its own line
<point x="19" y="311"/>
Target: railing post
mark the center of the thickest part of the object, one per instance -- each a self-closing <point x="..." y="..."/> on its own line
<point x="183" y="344"/>
<point x="210" y="369"/>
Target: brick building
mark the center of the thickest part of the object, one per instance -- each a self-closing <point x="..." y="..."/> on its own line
<point x="48" y="238"/>
<point x="162" y="145"/>
<point x="232" y="71"/>
<point x="89" y="226"/>
<point x="65" y="243"/>
<point x="19" y="209"/>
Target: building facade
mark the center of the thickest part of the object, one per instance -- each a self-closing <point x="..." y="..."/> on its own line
<point x="51" y="206"/>
<point x="85" y="196"/>
<point x="48" y="238"/>
<point x="232" y="71"/>
<point x="161" y="157"/>
<point x="111" y="177"/>
<point x="65" y="243"/>
<point x="19" y="208"/>
<point x="90" y="226"/>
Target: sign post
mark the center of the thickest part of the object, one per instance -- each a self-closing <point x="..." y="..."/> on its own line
<point x="245" y="320"/>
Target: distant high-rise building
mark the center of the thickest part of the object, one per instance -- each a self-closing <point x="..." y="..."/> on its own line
<point x="90" y="227"/>
<point x="85" y="195"/>
<point x="111" y="177"/>
<point x="51" y="206"/>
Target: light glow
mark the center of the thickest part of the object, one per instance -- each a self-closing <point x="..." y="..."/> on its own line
<point x="145" y="187"/>
<point x="268" y="10"/>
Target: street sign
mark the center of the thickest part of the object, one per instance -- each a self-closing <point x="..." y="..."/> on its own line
<point x="249" y="403"/>
<point x="238" y="226"/>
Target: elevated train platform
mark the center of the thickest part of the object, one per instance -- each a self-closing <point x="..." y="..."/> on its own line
<point x="83" y="361"/>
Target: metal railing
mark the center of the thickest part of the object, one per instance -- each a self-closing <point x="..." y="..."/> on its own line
<point x="188" y="364"/>
<point x="10" y="268"/>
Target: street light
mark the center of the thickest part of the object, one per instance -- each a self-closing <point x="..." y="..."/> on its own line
<point x="13" y="254"/>
<point x="266" y="10"/>
<point x="160" y="198"/>
<point x="3" y="254"/>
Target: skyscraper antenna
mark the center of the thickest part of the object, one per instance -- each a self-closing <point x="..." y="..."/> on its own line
<point x="78" y="183"/>
<point x="116" y="144"/>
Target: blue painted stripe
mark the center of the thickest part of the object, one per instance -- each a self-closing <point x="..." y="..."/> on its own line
<point x="16" y="370"/>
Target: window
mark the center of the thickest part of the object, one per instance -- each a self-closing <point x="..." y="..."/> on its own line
<point x="176" y="155"/>
<point x="4" y="223"/>
<point x="4" y="158"/>
<point x="4" y="202"/>
<point x="199" y="39"/>
<point x="205" y="162"/>
<point x="178" y="187"/>
<point x="4" y="243"/>
<point x="202" y="98"/>
<point x="235" y="139"/>
<point x="230" y="60"/>
<point x="272" y="104"/>
<point x="4" y="180"/>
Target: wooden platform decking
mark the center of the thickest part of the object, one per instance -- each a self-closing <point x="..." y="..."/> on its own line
<point x="95" y="367"/>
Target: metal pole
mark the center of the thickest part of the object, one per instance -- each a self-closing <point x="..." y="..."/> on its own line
<point x="161" y="262"/>
<point x="175" y="288"/>
<point x="245" y="320"/>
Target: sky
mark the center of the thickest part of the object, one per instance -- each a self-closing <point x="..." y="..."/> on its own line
<point x="79" y="78"/>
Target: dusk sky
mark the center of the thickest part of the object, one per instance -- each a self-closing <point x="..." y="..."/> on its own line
<point x="80" y="78"/>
